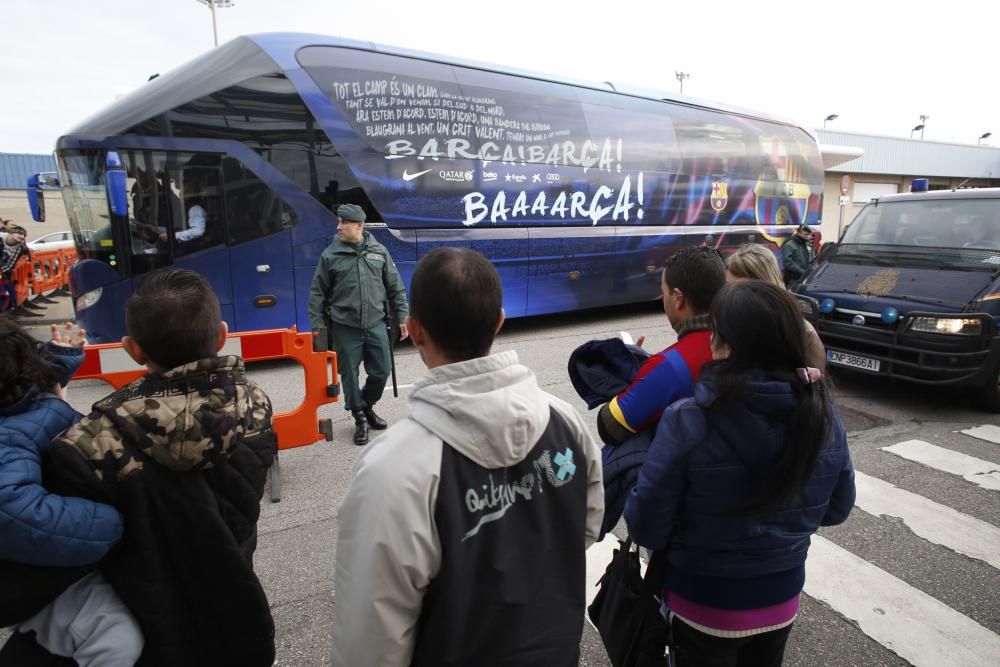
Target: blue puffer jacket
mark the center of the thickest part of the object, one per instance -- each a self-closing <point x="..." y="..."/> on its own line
<point x="701" y="468"/>
<point x="37" y="527"/>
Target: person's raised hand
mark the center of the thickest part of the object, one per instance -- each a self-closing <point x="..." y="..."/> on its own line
<point x="63" y="336"/>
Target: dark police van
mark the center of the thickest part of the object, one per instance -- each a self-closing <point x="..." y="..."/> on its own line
<point x="912" y="291"/>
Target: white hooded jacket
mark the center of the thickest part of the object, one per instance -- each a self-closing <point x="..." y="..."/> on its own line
<point x="492" y="411"/>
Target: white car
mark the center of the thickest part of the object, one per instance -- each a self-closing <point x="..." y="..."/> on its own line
<point x="53" y="241"/>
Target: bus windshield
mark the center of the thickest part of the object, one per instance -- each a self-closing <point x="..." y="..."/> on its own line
<point x="87" y="205"/>
<point x="945" y="223"/>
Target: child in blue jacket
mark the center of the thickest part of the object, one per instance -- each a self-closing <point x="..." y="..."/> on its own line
<point x="49" y="544"/>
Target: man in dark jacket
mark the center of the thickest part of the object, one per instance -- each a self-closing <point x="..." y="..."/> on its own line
<point x="797" y="256"/>
<point x="354" y="281"/>
<point x="183" y="454"/>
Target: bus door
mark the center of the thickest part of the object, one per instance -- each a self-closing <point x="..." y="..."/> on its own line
<point x="259" y="234"/>
<point x="177" y="217"/>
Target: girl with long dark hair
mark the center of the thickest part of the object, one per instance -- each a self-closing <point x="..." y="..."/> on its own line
<point x="736" y="481"/>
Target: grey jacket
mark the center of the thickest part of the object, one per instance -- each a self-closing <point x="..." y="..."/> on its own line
<point x="491" y="411"/>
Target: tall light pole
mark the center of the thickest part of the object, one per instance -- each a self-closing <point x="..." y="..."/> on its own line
<point x="212" y="4"/>
<point x="680" y="76"/>
<point x="832" y="116"/>
<point x="918" y="127"/>
<point x="923" y="122"/>
<point x="986" y="135"/>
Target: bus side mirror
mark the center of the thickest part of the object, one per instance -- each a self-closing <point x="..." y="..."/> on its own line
<point x="36" y="200"/>
<point x="115" y="182"/>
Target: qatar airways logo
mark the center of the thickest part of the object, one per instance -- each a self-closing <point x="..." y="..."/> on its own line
<point x="456" y="175"/>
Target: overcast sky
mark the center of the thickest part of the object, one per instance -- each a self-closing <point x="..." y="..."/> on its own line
<point x="879" y="64"/>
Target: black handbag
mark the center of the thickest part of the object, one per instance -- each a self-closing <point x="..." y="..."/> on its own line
<point x="626" y="609"/>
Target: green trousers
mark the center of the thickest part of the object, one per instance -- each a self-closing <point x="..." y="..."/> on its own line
<point x="355" y="346"/>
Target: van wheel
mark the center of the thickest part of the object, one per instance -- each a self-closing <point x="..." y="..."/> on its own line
<point x="989" y="399"/>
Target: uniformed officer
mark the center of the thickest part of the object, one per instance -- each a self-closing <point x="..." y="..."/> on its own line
<point x="354" y="281"/>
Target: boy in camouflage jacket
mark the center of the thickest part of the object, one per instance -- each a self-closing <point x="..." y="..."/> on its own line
<point x="183" y="454"/>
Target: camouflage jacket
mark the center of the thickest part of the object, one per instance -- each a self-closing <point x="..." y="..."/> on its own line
<point x="183" y="455"/>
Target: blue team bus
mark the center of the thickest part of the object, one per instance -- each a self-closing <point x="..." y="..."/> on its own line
<point x="231" y="165"/>
<point x="911" y="291"/>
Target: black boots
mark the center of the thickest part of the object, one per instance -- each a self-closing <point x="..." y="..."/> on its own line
<point x="363" y="420"/>
<point x="374" y="421"/>
<point x="360" y="428"/>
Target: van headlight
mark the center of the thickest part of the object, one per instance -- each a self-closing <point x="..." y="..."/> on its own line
<point x="88" y="299"/>
<point x="957" y="326"/>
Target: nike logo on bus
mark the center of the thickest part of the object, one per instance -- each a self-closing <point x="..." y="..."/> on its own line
<point x="410" y="177"/>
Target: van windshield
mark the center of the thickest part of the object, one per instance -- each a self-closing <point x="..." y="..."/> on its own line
<point x="950" y="223"/>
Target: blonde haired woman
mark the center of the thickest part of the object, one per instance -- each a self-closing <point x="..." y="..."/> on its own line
<point x="753" y="261"/>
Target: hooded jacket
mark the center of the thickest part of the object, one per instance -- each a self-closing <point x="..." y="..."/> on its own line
<point x="702" y="466"/>
<point x="462" y="537"/>
<point x="45" y="539"/>
<point x="600" y="370"/>
<point x="183" y="455"/>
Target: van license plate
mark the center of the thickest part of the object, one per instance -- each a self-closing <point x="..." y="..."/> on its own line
<point x="853" y="361"/>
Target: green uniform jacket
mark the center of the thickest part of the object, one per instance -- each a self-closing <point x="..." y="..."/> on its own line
<point x="797" y="256"/>
<point x="352" y="284"/>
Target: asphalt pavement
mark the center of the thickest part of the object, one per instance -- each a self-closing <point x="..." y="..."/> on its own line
<point x="911" y="578"/>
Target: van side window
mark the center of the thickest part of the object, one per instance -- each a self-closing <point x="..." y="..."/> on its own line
<point x="252" y="208"/>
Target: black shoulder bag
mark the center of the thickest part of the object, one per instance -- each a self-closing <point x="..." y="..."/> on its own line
<point x="626" y="609"/>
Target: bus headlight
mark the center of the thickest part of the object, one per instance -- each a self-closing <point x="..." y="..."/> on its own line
<point x="88" y="299"/>
<point x="954" y="326"/>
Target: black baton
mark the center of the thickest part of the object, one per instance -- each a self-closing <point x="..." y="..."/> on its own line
<point x="392" y="353"/>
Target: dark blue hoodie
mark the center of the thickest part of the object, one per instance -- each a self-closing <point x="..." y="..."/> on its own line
<point x="702" y="466"/>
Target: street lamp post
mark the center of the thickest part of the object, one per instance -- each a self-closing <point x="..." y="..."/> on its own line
<point x="923" y="122"/>
<point x="986" y="135"/>
<point x="212" y="4"/>
<point x="918" y="127"/>
<point x="832" y="116"/>
<point x="680" y="76"/>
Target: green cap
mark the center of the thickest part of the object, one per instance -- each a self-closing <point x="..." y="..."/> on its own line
<point x="351" y="212"/>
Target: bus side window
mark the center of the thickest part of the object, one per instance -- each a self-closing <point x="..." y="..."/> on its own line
<point x="202" y="211"/>
<point x="253" y="209"/>
<point x="149" y="209"/>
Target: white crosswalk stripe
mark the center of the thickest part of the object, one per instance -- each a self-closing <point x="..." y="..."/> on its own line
<point x="983" y="473"/>
<point x="899" y="616"/>
<point x="902" y="618"/>
<point x="931" y="521"/>
<point x="988" y="432"/>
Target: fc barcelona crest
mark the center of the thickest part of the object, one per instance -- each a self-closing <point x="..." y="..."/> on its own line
<point x="720" y="195"/>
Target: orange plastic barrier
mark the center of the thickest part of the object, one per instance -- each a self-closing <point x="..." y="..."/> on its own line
<point x="50" y="269"/>
<point x="68" y="258"/>
<point x="110" y="363"/>
<point x="21" y="277"/>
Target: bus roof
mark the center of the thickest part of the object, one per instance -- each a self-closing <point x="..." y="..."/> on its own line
<point x="265" y="53"/>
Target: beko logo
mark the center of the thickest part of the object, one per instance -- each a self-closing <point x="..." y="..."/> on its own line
<point x="456" y="176"/>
